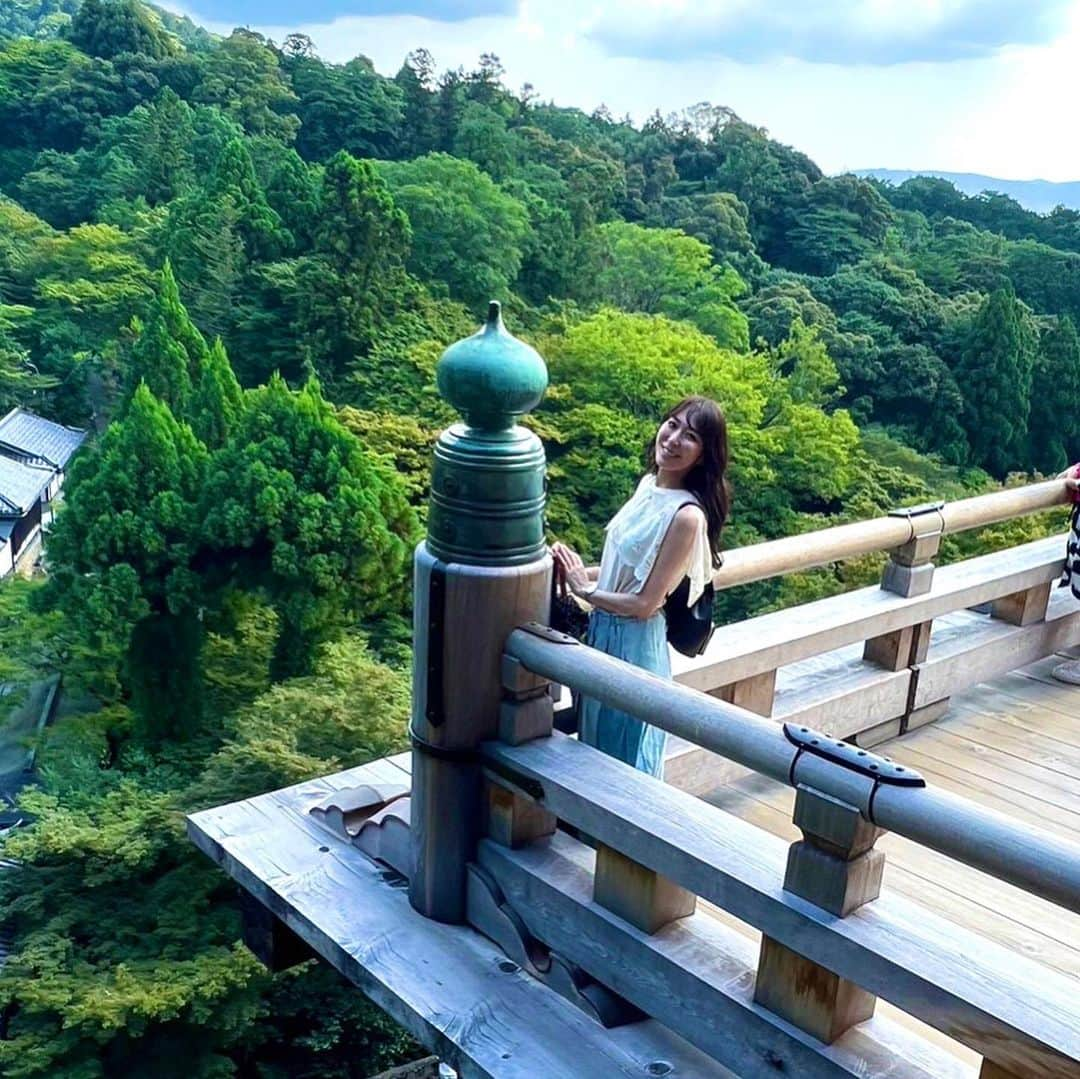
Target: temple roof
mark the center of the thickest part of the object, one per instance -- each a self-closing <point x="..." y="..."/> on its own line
<point x="21" y="486"/>
<point x="34" y="436"/>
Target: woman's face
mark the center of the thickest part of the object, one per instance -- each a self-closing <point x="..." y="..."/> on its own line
<point x="678" y="445"/>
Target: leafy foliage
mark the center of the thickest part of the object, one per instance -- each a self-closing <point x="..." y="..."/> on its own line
<point x="227" y="591"/>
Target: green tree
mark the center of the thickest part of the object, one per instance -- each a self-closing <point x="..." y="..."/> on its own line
<point x="243" y="76"/>
<point x="344" y="107"/>
<point x="662" y="270"/>
<point x="1054" y="420"/>
<point x="168" y="353"/>
<point x="121" y="554"/>
<point x="322" y="312"/>
<point x="994" y="372"/>
<point x="294" y="508"/>
<point x="109" y="28"/>
<point x="467" y="233"/>
<point x="217" y="401"/>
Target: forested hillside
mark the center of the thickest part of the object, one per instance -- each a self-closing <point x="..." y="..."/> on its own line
<point x="238" y="265"/>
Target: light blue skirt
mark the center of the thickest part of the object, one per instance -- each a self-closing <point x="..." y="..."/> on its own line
<point x="643" y="643"/>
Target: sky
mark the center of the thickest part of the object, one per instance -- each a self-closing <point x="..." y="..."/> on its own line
<point x="956" y="85"/>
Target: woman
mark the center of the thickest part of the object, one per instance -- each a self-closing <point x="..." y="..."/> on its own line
<point x="670" y="529"/>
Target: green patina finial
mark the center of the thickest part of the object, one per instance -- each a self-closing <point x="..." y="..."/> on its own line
<point x="487" y="479"/>
<point x="492" y="378"/>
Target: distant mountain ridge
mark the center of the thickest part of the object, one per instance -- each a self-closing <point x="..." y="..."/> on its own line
<point x="1041" y="196"/>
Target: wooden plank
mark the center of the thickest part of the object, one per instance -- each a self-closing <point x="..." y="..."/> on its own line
<point x="1003" y="766"/>
<point x="993" y="648"/>
<point x="696" y="975"/>
<point x="447" y="985"/>
<point x="774" y="640"/>
<point x="1057" y="752"/>
<point x="1031" y="703"/>
<point x="965" y="986"/>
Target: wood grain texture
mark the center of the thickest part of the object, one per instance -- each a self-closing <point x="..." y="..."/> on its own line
<point x="358" y="918"/>
<point x="696" y="975"/>
<point x="966" y="986"/>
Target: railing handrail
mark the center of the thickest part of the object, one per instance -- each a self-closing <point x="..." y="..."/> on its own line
<point x="807" y="550"/>
<point x="1030" y="859"/>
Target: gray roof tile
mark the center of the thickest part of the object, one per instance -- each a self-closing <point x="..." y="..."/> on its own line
<point x="21" y="486"/>
<point x="35" y="436"/>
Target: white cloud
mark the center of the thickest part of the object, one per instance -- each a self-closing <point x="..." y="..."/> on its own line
<point x="998" y="114"/>
<point x="876" y="32"/>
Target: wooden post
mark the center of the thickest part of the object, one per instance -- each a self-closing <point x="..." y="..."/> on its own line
<point x="899" y="649"/>
<point x="483" y="570"/>
<point x="910" y="569"/>
<point x="637" y="894"/>
<point x="1023" y="608"/>
<point x="755" y="693"/>
<point x="835" y="867"/>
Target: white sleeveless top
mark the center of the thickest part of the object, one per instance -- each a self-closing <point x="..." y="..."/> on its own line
<point x="634" y="535"/>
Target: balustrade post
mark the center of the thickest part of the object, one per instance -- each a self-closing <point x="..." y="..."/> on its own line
<point x="1023" y="608"/>
<point x="835" y="867"/>
<point x="483" y="570"/>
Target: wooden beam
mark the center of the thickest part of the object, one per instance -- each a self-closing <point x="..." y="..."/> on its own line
<point x="638" y="895"/>
<point x="453" y="990"/>
<point x="783" y="637"/>
<point x="695" y="976"/>
<point x="1023" y="608"/>
<point x="755" y="694"/>
<point x="834" y="867"/>
<point x="965" y="986"/>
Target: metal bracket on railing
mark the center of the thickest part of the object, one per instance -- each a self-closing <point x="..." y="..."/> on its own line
<point x="880" y="769"/>
<point x="915" y="516"/>
<point x="546" y="633"/>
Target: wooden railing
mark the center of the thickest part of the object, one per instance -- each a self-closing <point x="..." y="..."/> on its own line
<point x="830" y="946"/>
<point x="588" y="875"/>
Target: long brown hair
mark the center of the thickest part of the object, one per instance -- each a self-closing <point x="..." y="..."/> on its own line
<point x="707" y="480"/>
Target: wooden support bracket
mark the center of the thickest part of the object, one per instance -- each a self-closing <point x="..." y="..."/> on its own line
<point x="910" y="569"/>
<point x="755" y="693"/>
<point x="835" y="867"/>
<point x="513" y="820"/>
<point x="269" y="939"/>
<point x="899" y="649"/>
<point x="637" y="894"/>
<point x="523" y="720"/>
<point x="1023" y="608"/>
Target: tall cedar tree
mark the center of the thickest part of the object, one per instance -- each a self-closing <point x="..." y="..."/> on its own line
<point x="294" y="509"/>
<point x="994" y="372"/>
<point x="121" y="553"/>
<point x="1055" y="398"/>
<point x="168" y="353"/>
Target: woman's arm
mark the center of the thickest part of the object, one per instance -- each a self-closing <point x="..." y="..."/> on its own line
<point x="664" y="577"/>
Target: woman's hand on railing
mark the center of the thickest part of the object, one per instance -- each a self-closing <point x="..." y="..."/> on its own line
<point x="571" y="571"/>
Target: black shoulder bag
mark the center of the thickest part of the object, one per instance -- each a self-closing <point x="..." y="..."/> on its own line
<point x="689" y="628"/>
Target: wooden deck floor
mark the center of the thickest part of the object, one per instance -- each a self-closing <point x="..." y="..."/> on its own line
<point x="1012" y="745"/>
